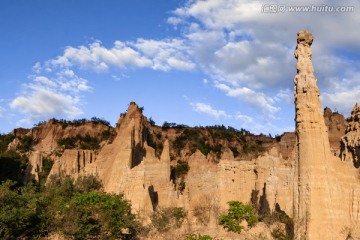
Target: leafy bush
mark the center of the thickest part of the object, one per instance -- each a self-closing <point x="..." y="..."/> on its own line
<point x="87" y="184"/>
<point x="234" y="151"/>
<point x="255" y="148"/>
<point x="164" y="219"/>
<point x="18" y="211"/>
<point x="12" y="166"/>
<point x="27" y="213"/>
<point x="154" y="141"/>
<point x="79" y="122"/>
<point x="101" y="215"/>
<point x="67" y="143"/>
<point x="47" y="164"/>
<point x="87" y="142"/>
<point x="5" y="139"/>
<point x="238" y="212"/>
<point x="25" y="143"/>
<point x="280" y="216"/>
<point x="194" y="236"/>
<point x="195" y="139"/>
<point x="181" y="168"/>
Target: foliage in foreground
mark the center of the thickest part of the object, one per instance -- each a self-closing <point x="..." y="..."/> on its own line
<point x="238" y="212"/>
<point x="75" y="210"/>
<point x="194" y="236"/>
<point x="164" y="219"/>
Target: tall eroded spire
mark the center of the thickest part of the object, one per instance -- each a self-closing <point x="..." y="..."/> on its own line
<point x="313" y="149"/>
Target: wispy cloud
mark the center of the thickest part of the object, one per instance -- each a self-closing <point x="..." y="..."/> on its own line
<point x="256" y="99"/>
<point x="51" y="92"/>
<point x="209" y="110"/>
<point x="165" y="55"/>
<point x="246" y="54"/>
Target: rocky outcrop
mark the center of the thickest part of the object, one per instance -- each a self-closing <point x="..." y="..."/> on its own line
<point x="34" y="167"/>
<point x="287" y="144"/>
<point x="313" y="149"/>
<point x="300" y="172"/>
<point x="46" y="135"/>
<point x="336" y="125"/>
<point x="326" y="195"/>
<point x="72" y="163"/>
<point x="350" y="143"/>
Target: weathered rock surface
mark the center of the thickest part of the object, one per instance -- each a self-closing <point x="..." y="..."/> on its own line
<point x="46" y="135"/>
<point x="350" y="143"/>
<point x="300" y="172"/>
<point x="336" y="125"/>
<point x="326" y="198"/>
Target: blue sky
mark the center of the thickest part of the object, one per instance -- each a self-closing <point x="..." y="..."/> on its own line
<point x="192" y="62"/>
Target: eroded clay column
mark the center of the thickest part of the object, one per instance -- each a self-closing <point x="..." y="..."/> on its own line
<point x="311" y="203"/>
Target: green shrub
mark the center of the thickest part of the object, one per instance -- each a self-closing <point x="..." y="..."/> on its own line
<point x="164" y="219"/>
<point x="5" y="139"/>
<point x="282" y="217"/>
<point x="18" y="211"/>
<point x="194" y="236"/>
<point x="87" y="184"/>
<point x="27" y="213"/>
<point x="254" y="148"/>
<point x="181" y="186"/>
<point x="67" y="143"/>
<point x="234" y="151"/>
<point x="181" y="168"/>
<point x="47" y="164"/>
<point x="12" y="166"/>
<point x="238" y="212"/>
<point x="102" y="215"/>
<point x="86" y="142"/>
<point x="25" y="143"/>
<point x="154" y="141"/>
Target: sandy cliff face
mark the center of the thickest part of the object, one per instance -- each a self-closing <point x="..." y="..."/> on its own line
<point x="326" y="189"/>
<point x="46" y="135"/>
<point x="301" y="173"/>
<point x="336" y="125"/>
<point x="128" y="165"/>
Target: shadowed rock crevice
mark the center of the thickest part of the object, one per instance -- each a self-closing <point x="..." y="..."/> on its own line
<point x="154" y="197"/>
<point x="261" y="204"/>
<point x="137" y="156"/>
<point x="264" y="203"/>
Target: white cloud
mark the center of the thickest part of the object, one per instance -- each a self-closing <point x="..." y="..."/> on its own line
<point x="209" y="110"/>
<point x="42" y="103"/>
<point x="256" y="99"/>
<point x="54" y="93"/>
<point x="37" y="67"/>
<point x="99" y="58"/>
<point x="174" y="20"/>
<point x="165" y="55"/>
<point x="285" y="95"/>
<point x="45" y="81"/>
<point x="246" y="53"/>
<point x="249" y="54"/>
<point x="247" y="120"/>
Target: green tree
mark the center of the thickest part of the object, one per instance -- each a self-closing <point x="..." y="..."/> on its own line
<point x="18" y="211"/>
<point x="238" y="212"/>
<point x="164" y="219"/>
<point x="194" y="236"/>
